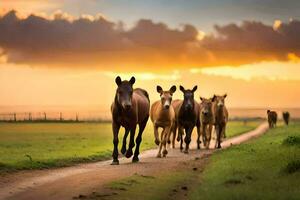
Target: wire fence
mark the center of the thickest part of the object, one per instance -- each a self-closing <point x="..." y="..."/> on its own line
<point x="55" y="117"/>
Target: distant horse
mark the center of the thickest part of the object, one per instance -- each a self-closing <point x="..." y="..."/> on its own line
<point x="187" y="117"/>
<point x="130" y="107"/>
<point x="286" y="117"/>
<point x="220" y="113"/>
<point x="272" y="118"/>
<point x="162" y="115"/>
<point x="206" y="120"/>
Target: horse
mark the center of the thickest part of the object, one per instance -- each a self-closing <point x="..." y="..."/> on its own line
<point x="206" y="120"/>
<point x="129" y="109"/>
<point x="286" y="117"/>
<point x="220" y="114"/>
<point x="162" y="115"/>
<point x="272" y="118"/>
<point x="187" y="117"/>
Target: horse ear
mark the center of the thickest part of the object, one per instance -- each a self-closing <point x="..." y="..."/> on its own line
<point x="195" y="88"/>
<point x="132" y="80"/>
<point x="118" y="80"/>
<point x="225" y="95"/>
<point x="159" y="89"/>
<point x="213" y="98"/>
<point x="181" y="88"/>
<point x="173" y="89"/>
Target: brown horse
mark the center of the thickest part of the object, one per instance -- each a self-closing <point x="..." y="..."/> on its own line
<point x="130" y="107"/>
<point x="272" y="118"/>
<point x="162" y="115"/>
<point x="187" y="117"/>
<point x="206" y="120"/>
<point x="220" y="113"/>
<point x="286" y="117"/>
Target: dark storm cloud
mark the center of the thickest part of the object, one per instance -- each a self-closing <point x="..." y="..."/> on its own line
<point x="102" y="43"/>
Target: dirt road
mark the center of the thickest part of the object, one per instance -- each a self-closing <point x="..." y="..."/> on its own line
<point x="83" y="179"/>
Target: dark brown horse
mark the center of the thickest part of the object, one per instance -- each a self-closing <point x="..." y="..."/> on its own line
<point x="286" y="117"/>
<point x="272" y="118"/>
<point x="129" y="109"/>
<point x="187" y="117"/>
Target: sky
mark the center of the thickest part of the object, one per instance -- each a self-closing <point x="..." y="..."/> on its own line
<point x="69" y="52"/>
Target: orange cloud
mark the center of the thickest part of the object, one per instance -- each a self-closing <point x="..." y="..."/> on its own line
<point x="96" y="42"/>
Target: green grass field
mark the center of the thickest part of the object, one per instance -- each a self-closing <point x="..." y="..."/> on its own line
<point x="235" y="128"/>
<point x="45" y="145"/>
<point x="264" y="168"/>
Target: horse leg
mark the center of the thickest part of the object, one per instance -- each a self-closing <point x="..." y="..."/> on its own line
<point x="155" y="127"/>
<point x="174" y="128"/>
<point x="116" y="128"/>
<point x="131" y="142"/>
<point x="123" y="149"/>
<point x="138" y="140"/>
<point x="219" y="136"/>
<point x="203" y="135"/>
<point x="166" y="134"/>
<point x="209" y="127"/>
<point x="223" y="132"/>
<point x="198" y="137"/>
<point x="160" y="144"/>
<point x="180" y="135"/>
<point x="187" y="139"/>
<point x="217" y="128"/>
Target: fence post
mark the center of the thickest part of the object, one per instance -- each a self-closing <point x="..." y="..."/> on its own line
<point x="76" y="117"/>
<point x="60" y="117"/>
<point x="30" y="117"/>
<point x="15" y="117"/>
<point x="45" y="116"/>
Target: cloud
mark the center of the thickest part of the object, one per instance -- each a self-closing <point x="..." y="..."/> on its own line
<point x="61" y="40"/>
<point x="254" y="42"/>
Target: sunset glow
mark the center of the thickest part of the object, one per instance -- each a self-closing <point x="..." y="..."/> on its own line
<point x="54" y="53"/>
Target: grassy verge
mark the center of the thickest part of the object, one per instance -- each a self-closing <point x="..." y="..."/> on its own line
<point x="45" y="145"/>
<point x="265" y="168"/>
<point x="235" y="128"/>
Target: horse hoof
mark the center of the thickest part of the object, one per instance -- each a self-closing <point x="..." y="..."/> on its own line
<point x="158" y="156"/>
<point x="186" y="151"/>
<point x="169" y="141"/>
<point x="135" y="159"/>
<point x="123" y="151"/>
<point x="157" y="142"/>
<point x="115" y="162"/>
<point x="178" y="139"/>
<point x="165" y="152"/>
<point x="198" y="147"/>
<point x="128" y="153"/>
